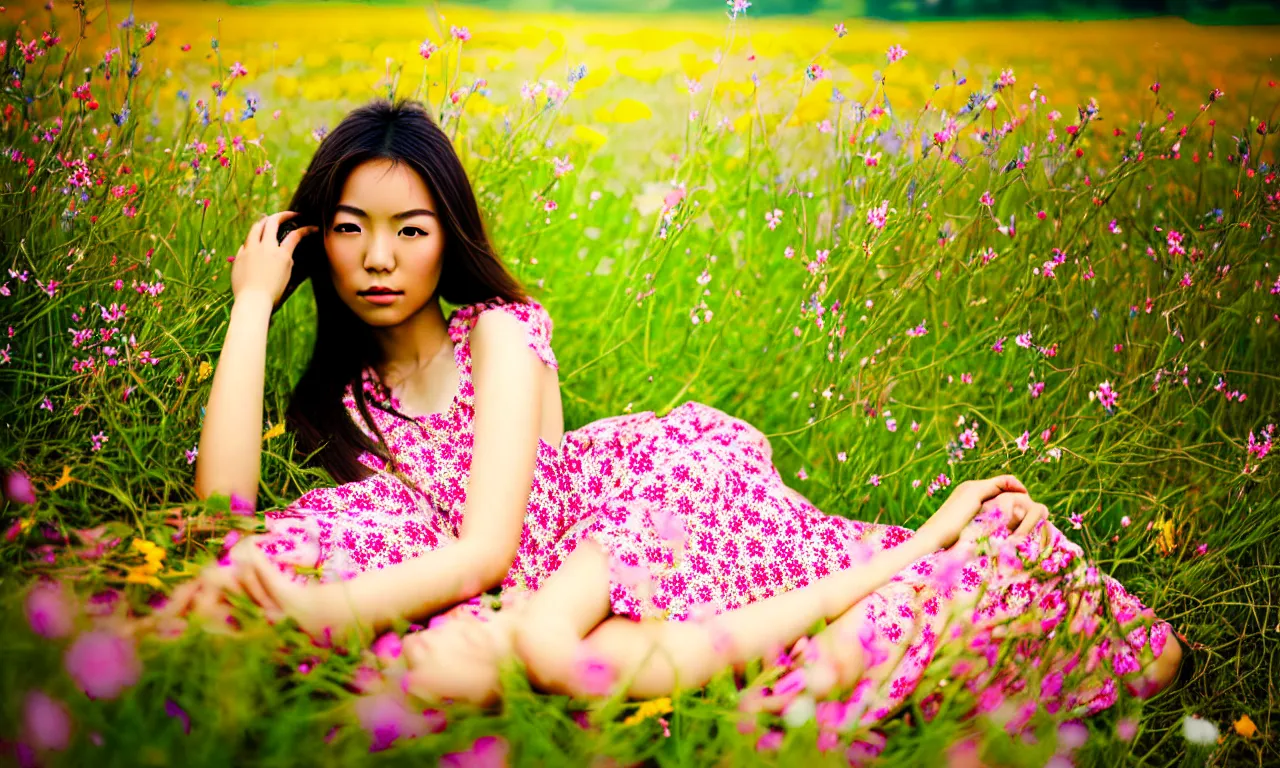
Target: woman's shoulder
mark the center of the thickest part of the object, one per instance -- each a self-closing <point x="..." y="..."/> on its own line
<point x="528" y="311"/>
<point x="532" y="314"/>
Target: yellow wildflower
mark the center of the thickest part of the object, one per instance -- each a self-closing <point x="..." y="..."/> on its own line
<point x="1166" y="539"/>
<point x="649" y="709"/>
<point x="154" y="556"/>
<point x="149" y="549"/>
<point x="205" y="369"/>
<point x="66" y="478"/>
<point x="275" y="431"/>
<point x="1245" y="727"/>
<point x="142" y="574"/>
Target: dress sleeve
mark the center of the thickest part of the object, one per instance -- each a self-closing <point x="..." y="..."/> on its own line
<point x="537" y="323"/>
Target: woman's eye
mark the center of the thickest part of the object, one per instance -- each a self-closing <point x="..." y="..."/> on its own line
<point x="352" y="228"/>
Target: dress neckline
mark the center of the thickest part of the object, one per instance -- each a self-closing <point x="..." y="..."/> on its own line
<point x="459" y="368"/>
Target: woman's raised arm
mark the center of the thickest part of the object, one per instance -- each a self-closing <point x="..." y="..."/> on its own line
<point x="231" y="437"/>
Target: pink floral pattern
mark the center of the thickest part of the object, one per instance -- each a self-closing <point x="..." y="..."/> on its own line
<point x="697" y="521"/>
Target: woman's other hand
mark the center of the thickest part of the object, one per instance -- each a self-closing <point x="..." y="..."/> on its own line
<point x="318" y="608"/>
<point x="1016" y="512"/>
<point x="944" y="527"/>
<point x="262" y="265"/>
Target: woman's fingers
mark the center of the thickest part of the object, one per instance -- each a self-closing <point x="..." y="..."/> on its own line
<point x="992" y="487"/>
<point x="252" y="583"/>
<point x="271" y="581"/>
<point x="180" y="601"/>
<point x="1033" y="517"/>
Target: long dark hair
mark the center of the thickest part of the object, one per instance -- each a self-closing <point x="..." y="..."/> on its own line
<point x="402" y="132"/>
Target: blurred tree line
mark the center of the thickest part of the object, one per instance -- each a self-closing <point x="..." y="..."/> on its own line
<point x="1199" y="11"/>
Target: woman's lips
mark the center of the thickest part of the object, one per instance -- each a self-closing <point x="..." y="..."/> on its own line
<point x="381" y="298"/>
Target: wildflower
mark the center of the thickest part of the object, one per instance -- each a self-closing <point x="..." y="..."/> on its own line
<point x="387" y="717"/>
<point x="1106" y="396"/>
<point x="770" y="741"/>
<point x="387" y="647"/>
<point x="1023" y="340"/>
<point x="46" y="722"/>
<point x="736" y="7"/>
<point x="1245" y="727"/>
<point x="649" y="709"/>
<point x="595" y="674"/>
<point x="192" y="453"/>
<point x="427" y="48"/>
<point x="172" y="709"/>
<point x="840" y="30"/>
<point x="485" y="752"/>
<point x="987" y="199"/>
<point x="1126" y="728"/>
<point x="1023" y="441"/>
<point x="1200" y="732"/>
<point x="877" y="216"/>
<point x="773" y="219"/>
<point x="800" y="711"/>
<point x="98" y="440"/>
<point x="896" y="53"/>
<point x="50" y="610"/>
<point x="461" y="34"/>
<point x="146" y="573"/>
<point x="102" y="663"/>
<point x="969" y="438"/>
<point x="875" y="480"/>
<point x="18" y="488"/>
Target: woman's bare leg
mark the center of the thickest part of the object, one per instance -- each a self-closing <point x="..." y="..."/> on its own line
<point x="559" y="615"/>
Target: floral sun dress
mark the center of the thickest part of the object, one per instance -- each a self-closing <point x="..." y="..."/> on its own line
<point x="697" y="521"/>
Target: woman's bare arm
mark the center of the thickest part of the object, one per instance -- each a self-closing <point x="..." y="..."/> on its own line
<point x="419" y="587"/>
<point x="231" y="438"/>
<point x="655" y="658"/>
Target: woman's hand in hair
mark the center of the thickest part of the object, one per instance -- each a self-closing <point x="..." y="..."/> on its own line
<point x="262" y="265"/>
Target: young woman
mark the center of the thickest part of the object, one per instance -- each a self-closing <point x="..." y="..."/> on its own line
<point x="449" y="431"/>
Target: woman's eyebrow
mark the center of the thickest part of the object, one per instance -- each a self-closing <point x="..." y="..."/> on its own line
<point x="357" y="212"/>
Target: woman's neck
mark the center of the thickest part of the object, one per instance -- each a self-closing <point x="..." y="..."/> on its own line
<point x="415" y="343"/>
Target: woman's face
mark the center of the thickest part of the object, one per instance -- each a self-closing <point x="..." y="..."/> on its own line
<point x="385" y="233"/>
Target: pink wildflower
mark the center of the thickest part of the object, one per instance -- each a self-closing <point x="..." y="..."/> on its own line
<point x="102" y="663"/>
<point x="50" y="610"/>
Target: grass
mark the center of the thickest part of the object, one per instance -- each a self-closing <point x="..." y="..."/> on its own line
<point x="1187" y="340"/>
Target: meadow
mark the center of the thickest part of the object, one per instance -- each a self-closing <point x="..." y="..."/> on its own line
<point x="911" y="254"/>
